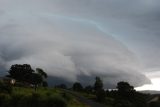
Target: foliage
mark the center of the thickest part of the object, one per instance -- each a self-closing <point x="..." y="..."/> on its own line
<point x="5" y="88"/>
<point x="26" y="97"/>
<point x="41" y="72"/>
<point x="25" y="74"/>
<point x="88" y="89"/>
<point x="62" y="86"/>
<point x="123" y="103"/>
<point x="100" y="95"/>
<point x="155" y="104"/>
<point x="20" y="72"/>
<point x="35" y="79"/>
<point x="77" y="86"/>
<point x="44" y="84"/>
<point x="124" y="87"/>
<point x="75" y="103"/>
<point x="98" y="85"/>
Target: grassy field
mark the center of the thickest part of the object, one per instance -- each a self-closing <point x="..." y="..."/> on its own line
<point x="43" y="97"/>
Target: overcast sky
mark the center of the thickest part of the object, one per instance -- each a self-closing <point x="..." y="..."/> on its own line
<point x="77" y="40"/>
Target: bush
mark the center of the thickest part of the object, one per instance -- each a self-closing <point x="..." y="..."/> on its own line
<point x="37" y="100"/>
<point x="123" y="103"/>
<point x="33" y="100"/>
<point x="100" y="94"/>
<point x="67" y="96"/>
<point x="154" y="104"/>
<point x="77" y="87"/>
<point x="15" y="100"/>
<point x="5" y="88"/>
<point x="55" y="101"/>
<point x="4" y="100"/>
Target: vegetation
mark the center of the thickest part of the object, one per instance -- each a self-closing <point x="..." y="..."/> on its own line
<point x="25" y="96"/>
<point x="21" y="94"/>
<point x="5" y="88"/>
<point x="44" y="97"/>
<point x="98" y="87"/>
<point x="77" y="87"/>
<point x="123" y="96"/>
<point x="25" y="74"/>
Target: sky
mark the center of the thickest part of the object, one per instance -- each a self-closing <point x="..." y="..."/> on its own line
<point x="77" y="40"/>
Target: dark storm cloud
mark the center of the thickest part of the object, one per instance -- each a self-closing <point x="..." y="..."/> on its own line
<point x="76" y="39"/>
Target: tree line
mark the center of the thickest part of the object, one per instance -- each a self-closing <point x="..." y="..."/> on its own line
<point x="26" y="75"/>
<point x="123" y="96"/>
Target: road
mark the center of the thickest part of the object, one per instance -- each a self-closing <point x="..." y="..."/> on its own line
<point x="85" y="100"/>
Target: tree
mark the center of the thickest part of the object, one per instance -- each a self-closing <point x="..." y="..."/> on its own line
<point x="20" y="72"/>
<point x="88" y="89"/>
<point x="41" y="72"/>
<point x="98" y="85"/>
<point x="35" y="79"/>
<point x="62" y="86"/>
<point x="100" y="95"/>
<point x="45" y="84"/>
<point x="5" y="88"/>
<point x="24" y="73"/>
<point x="43" y="75"/>
<point x="77" y="86"/>
<point x="123" y="103"/>
<point x="124" y="87"/>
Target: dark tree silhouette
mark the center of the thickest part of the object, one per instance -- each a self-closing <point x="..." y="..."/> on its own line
<point x="124" y="87"/>
<point x="125" y="90"/>
<point x="43" y="75"/>
<point x="77" y="86"/>
<point x="98" y="85"/>
<point x="41" y="72"/>
<point x="24" y="73"/>
<point x="35" y="79"/>
<point x="100" y="95"/>
<point x="44" y="84"/>
<point x="20" y="72"/>
<point x="88" y="89"/>
<point x="5" y="88"/>
<point x="62" y="86"/>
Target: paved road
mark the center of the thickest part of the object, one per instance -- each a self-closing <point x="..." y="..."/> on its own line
<point x="85" y="100"/>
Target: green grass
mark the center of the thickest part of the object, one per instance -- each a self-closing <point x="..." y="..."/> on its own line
<point x="87" y="95"/>
<point x="43" y="97"/>
<point x="76" y="103"/>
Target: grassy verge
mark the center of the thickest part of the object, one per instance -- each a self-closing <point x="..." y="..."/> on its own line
<point x="76" y="103"/>
<point x="43" y="97"/>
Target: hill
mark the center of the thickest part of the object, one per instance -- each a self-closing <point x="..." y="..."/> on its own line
<point x="43" y="97"/>
<point x="150" y="92"/>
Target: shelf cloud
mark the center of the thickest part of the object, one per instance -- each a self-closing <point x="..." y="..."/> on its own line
<point x="77" y="40"/>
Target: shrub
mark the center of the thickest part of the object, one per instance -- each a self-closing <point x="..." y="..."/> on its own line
<point x="33" y="100"/>
<point x="5" y="88"/>
<point x="15" y="100"/>
<point x="37" y="100"/>
<point x="66" y="96"/>
<point x="100" y="94"/>
<point x="4" y="100"/>
<point x="77" y="86"/>
<point x="154" y="104"/>
<point x="123" y="103"/>
<point x="56" y="101"/>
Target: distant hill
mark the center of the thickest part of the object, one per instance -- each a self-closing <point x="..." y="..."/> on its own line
<point x="150" y="92"/>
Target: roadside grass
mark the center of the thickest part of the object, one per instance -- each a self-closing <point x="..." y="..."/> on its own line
<point x="76" y="103"/>
<point x="87" y="95"/>
<point x="43" y="97"/>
